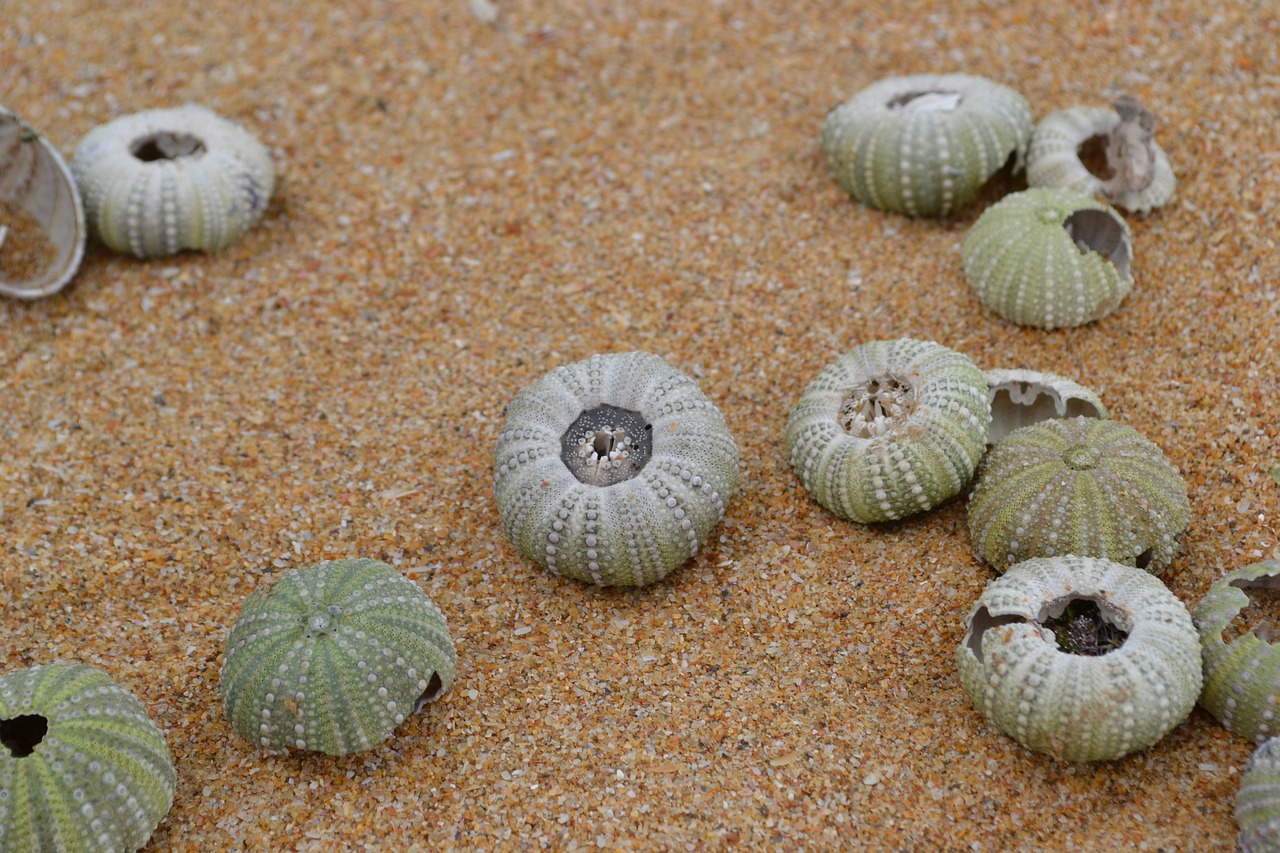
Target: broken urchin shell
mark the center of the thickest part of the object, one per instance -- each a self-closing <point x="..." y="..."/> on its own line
<point x="333" y="657"/>
<point x="82" y="767"/>
<point x="1023" y="397"/>
<point x="1241" y="667"/>
<point x="160" y="181"/>
<point x="890" y="429"/>
<point x="1258" y="800"/>
<point x="1086" y="486"/>
<point x="1049" y="258"/>
<point x="1140" y="175"/>
<point x="613" y="470"/>
<point x="924" y="145"/>
<point x="1080" y="658"/>
<point x="42" y="231"/>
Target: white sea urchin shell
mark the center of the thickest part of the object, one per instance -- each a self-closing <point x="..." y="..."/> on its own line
<point x="160" y="181"/>
<point x="1091" y="706"/>
<point x="613" y="470"/>
<point x="1023" y="397"/>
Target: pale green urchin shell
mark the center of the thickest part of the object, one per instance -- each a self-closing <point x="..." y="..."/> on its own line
<point x="613" y="470"/>
<point x="1085" y="486"/>
<point x="1241" y="673"/>
<point x="82" y="767"/>
<point x="890" y="429"/>
<point x="1258" y="801"/>
<point x="1112" y="677"/>
<point x="1141" y="177"/>
<point x="924" y="145"/>
<point x="333" y="657"/>
<point x="1049" y="258"/>
<point x="1023" y="397"/>
<point x="160" y="181"/>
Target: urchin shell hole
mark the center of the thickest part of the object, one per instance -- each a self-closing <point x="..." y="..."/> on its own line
<point x="876" y="406"/>
<point x="22" y="734"/>
<point x="1084" y="625"/>
<point x="982" y="622"/>
<point x="434" y="688"/>
<point x="1045" y="404"/>
<point x="926" y="101"/>
<point x="1093" y="156"/>
<point x="1261" y="615"/>
<point x="1100" y="231"/>
<point x="166" y="145"/>
<point x="607" y="445"/>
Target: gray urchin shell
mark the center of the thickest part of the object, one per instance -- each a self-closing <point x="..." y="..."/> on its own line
<point x="82" y="767"/>
<point x="1023" y="397"/>
<point x="613" y="470"/>
<point x="1096" y="705"/>
<point x="1086" y="486"/>
<point x="333" y="657"/>
<point x="1241" y="673"/>
<point x="160" y="181"/>
<point x="924" y="145"/>
<point x="890" y="429"/>
<point x="1049" y="258"/>
<point x="1258" y="801"/>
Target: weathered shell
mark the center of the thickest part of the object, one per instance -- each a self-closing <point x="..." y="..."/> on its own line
<point x="613" y="470"/>
<point x="1023" y="397"/>
<point x="1080" y="707"/>
<point x="160" y="181"/>
<point x="1258" y="801"/>
<point x="890" y="429"/>
<point x="924" y="145"/>
<point x="1049" y="258"/>
<point x="1241" y="675"/>
<point x="1054" y="160"/>
<point x="82" y="767"/>
<point x="42" y="231"/>
<point x="333" y="657"/>
<point x="1085" y="486"/>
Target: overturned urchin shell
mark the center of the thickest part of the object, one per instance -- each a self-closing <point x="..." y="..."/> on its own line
<point x="1241" y="672"/>
<point x="82" y="767"/>
<point x="1258" y="801"/>
<point x="1086" y="486"/>
<point x="1023" y="397"/>
<point x="42" y="231"/>
<point x="1049" y="258"/>
<point x="613" y="470"/>
<point x="333" y="657"/>
<point x="160" y="181"/>
<point x="890" y="429"/>
<point x="1016" y="664"/>
<point x="1141" y="177"/>
<point x="924" y="145"/>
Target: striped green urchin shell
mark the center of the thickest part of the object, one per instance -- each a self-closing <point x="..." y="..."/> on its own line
<point x="160" y="181"/>
<point x="1023" y="397"/>
<point x="1258" y="801"/>
<point x="333" y="657"/>
<point x="890" y="429"/>
<point x="82" y="767"/>
<point x="1080" y="658"/>
<point x="1242" y="671"/>
<point x="1086" y="486"/>
<point x="1049" y="258"/>
<point x="613" y="470"/>
<point x="924" y="145"/>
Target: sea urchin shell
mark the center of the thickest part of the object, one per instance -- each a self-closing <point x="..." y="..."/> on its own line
<point x="1080" y="658"/>
<point x="613" y="470"/>
<point x="333" y="657"/>
<point x="82" y="767"/>
<point x="160" y="181"/>
<point x="924" y="145"/>
<point x="890" y="429"/>
<point x="1086" y="486"/>
<point x="1258" y="800"/>
<point x="1023" y="397"/>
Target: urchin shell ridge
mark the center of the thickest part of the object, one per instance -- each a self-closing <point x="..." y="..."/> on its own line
<point x="1257" y="807"/>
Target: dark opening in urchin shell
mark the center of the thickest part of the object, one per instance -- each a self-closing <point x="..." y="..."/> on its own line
<point x="982" y="621"/>
<point x="1023" y="397"/>
<point x="1093" y="156"/>
<point x="1261" y="615"/>
<point x="166" y="145"/>
<point x="876" y="406"/>
<point x="1083" y="626"/>
<point x="22" y="734"/>
<point x="1102" y="232"/>
<point x="607" y="445"/>
<point x="435" y="688"/>
<point x="929" y="101"/>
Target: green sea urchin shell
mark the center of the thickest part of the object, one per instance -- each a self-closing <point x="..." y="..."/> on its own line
<point x="924" y="145"/>
<point x="1086" y="486"/>
<point x="160" y="181"/>
<point x="1023" y="397"/>
<point x="1022" y="672"/>
<point x="1049" y="258"/>
<point x="82" y="767"/>
<point x="890" y="429"/>
<point x="1241" y="674"/>
<point x="333" y="657"/>
<point x="1258" y="801"/>
<point x="613" y="470"/>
